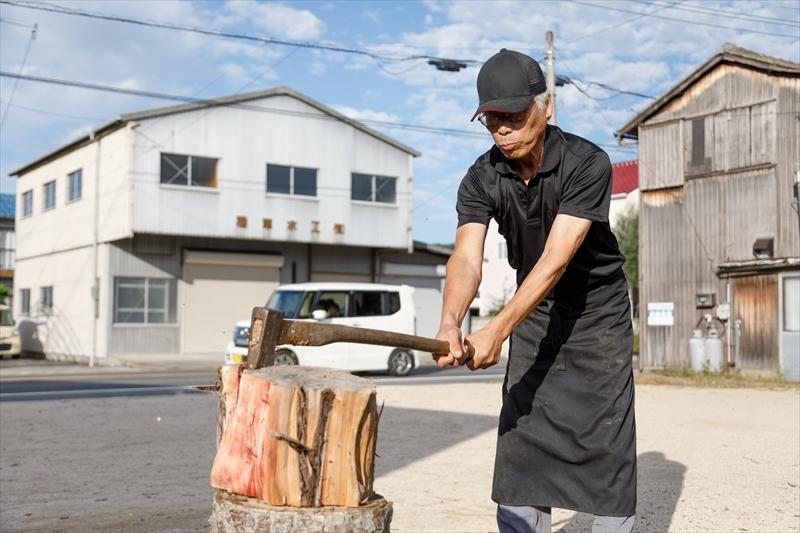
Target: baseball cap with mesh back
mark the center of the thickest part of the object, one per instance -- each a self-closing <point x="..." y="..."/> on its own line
<point x="507" y="83"/>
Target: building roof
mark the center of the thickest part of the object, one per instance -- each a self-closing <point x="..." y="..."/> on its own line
<point x="238" y="100"/>
<point x="624" y="177"/>
<point x="751" y="267"/>
<point x="436" y="249"/>
<point x="729" y="54"/>
<point x="7" y="205"/>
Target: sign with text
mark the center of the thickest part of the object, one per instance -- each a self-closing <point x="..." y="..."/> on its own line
<point x="660" y="313"/>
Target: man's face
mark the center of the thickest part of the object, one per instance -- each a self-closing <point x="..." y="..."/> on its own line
<point x="517" y="140"/>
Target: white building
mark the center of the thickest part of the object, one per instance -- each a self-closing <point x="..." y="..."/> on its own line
<point x="200" y="210"/>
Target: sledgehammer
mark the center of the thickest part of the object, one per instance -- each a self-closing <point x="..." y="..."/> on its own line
<point x="269" y="329"/>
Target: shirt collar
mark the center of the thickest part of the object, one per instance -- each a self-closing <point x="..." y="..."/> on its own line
<point x="550" y="159"/>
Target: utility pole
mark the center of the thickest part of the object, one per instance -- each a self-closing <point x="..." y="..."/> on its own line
<point x="551" y="75"/>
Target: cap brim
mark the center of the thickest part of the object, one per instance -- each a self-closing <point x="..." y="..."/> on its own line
<point x="513" y="104"/>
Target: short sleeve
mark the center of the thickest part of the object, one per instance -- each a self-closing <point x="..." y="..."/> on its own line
<point x="586" y="193"/>
<point x="473" y="204"/>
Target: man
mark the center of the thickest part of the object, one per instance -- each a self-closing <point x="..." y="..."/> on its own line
<point x="566" y="434"/>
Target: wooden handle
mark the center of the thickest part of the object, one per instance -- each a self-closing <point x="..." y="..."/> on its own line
<point x="299" y="333"/>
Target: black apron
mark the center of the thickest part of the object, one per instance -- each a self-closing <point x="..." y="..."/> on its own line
<point x="567" y="435"/>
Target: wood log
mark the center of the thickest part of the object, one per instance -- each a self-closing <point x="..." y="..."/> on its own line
<point x="239" y="514"/>
<point x="296" y="436"/>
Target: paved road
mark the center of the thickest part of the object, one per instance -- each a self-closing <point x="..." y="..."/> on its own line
<point x="129" y="451"/>
<point x="132" y="383"/>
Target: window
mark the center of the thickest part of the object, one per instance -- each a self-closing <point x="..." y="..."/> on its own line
<point x="283" y="179"/>
<point x="25" y="302"/>
<point x="49" y="200"/>
<point x="369" y="188"/>
<point x="188" y="170"/>
<point x="375" y="303"/>
<point x="333" y="302"/>
<point x="502" y="250"/>
<point x="144" y="300"/>
<point x="286" y="302"/>
<point x="74" y="186"/>
<point x="27" y="204"/>
<point x="6" y="249"/>
<point x="46" y="300"/>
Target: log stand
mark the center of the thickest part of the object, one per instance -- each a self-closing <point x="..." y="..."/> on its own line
<point x="296" y="452"/>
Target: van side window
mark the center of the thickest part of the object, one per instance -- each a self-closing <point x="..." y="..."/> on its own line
<point x="305" y="306"/>
<point x="333" y="302"/>
<point x="367" y="303"/>
<point x="394" y="303"/>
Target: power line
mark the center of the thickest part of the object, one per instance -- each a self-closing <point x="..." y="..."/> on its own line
<point x="16" y="81"/>
<point x="686" y="21"/>
<point x="219" y="102"/>
<point x="692" y="8"/>
<point x="54" y="8"/>
<point x="617" y="25"/>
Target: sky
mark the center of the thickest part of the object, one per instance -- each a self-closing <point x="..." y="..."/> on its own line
<point x="632" y="46"/>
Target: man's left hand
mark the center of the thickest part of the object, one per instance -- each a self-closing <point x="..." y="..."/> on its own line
<point x="485" y="346"/>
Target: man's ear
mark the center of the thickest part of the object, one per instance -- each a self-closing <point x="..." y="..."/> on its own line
<point x="549" y="110"/>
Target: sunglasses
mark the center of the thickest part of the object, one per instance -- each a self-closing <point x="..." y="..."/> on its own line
<point x="493" y="120"/>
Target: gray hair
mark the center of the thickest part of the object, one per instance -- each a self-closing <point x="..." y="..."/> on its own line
<point x="541" y="100"/>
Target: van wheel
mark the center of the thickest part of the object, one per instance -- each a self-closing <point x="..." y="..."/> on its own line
<point x="401" y="363"/>
<point x="285" y="357"/>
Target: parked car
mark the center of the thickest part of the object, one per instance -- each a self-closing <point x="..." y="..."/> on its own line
<point x="367" y="305"/>
<point x="10" y="345"/>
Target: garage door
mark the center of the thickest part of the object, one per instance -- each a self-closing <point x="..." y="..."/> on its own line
<point x="220" y="289"/>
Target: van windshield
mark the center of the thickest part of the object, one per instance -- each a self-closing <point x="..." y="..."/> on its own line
<point x="286" y="302"/>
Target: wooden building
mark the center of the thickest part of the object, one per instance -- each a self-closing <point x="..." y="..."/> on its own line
<point x="718" y="161"/>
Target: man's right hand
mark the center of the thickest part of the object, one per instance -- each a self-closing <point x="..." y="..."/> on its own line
<point x="451" y="334"/>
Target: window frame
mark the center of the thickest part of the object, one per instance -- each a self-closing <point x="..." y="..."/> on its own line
<point x="70" y="186"/>
<point x="170" y="286"/>
<point x="374" y="189"/>
<point x="292" y="190"/>
<point x="52" y="185"/>
<point x="27" y="204"/>
<point x="187" y="171"/>
<point x="25" y="302"/>
<point x="46" y="299"/>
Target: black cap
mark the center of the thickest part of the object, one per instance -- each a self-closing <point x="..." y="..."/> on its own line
<point x="507" y="82"/>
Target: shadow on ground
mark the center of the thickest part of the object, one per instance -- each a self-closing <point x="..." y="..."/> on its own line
<point x="432" y="432"/>
<point x="660" y="487"/>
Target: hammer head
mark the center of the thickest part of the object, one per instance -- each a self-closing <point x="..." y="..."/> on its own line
<point x="265" y="327"/>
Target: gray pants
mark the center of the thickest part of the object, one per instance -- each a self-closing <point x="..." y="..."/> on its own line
<point x="537" y="520"/>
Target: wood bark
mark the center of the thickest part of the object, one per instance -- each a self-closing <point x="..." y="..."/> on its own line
<point x="239" y="514"/>
<point x="296" y="436"/>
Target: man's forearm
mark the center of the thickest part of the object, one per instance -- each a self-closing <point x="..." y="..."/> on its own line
<point x="534" y="288"/>
<point x="460" y="285"/>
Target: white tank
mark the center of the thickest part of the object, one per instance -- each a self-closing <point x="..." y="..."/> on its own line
<point x="697" y="352"/>
<point x="714" y="352"/>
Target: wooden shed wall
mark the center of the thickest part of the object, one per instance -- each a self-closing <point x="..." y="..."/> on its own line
<point x="756" y="303"/>
<point x="695" y="216"/>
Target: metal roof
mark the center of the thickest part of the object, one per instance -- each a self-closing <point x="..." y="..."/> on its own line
<point x="238" y="100"/>
<point x="7" y="205"/>
<point x="746" y="267"/>
<point x="728" y="54"/>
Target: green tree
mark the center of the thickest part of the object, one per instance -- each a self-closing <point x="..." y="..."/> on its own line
<point x="627" y="232"/>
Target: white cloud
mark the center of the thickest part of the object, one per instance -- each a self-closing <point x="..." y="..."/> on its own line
<point x="277" y="20"/>
<point x="366" y="114"/>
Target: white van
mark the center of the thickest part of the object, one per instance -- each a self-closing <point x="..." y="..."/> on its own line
<point x="366" y="305"/>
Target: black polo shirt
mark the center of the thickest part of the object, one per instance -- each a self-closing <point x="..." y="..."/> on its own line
<point x="574" y="178"/>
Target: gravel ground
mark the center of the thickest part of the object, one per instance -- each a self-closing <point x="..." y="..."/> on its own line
<point x="709" y="460"/>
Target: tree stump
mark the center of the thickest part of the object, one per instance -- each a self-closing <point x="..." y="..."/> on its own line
<point x="296" y="443"/>
<point x="235" y="514"/>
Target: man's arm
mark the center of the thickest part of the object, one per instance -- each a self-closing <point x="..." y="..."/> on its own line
<point x="566" y="236"/>
<point x="462" y="279"/>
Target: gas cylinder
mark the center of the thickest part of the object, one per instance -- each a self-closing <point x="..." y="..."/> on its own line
<point x="697" y="351"/>
<point x="713" y="347"/>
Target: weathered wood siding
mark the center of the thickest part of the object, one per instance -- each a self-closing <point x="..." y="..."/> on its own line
<point x="756" y="303"/>
<point x="706" y="199"/>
